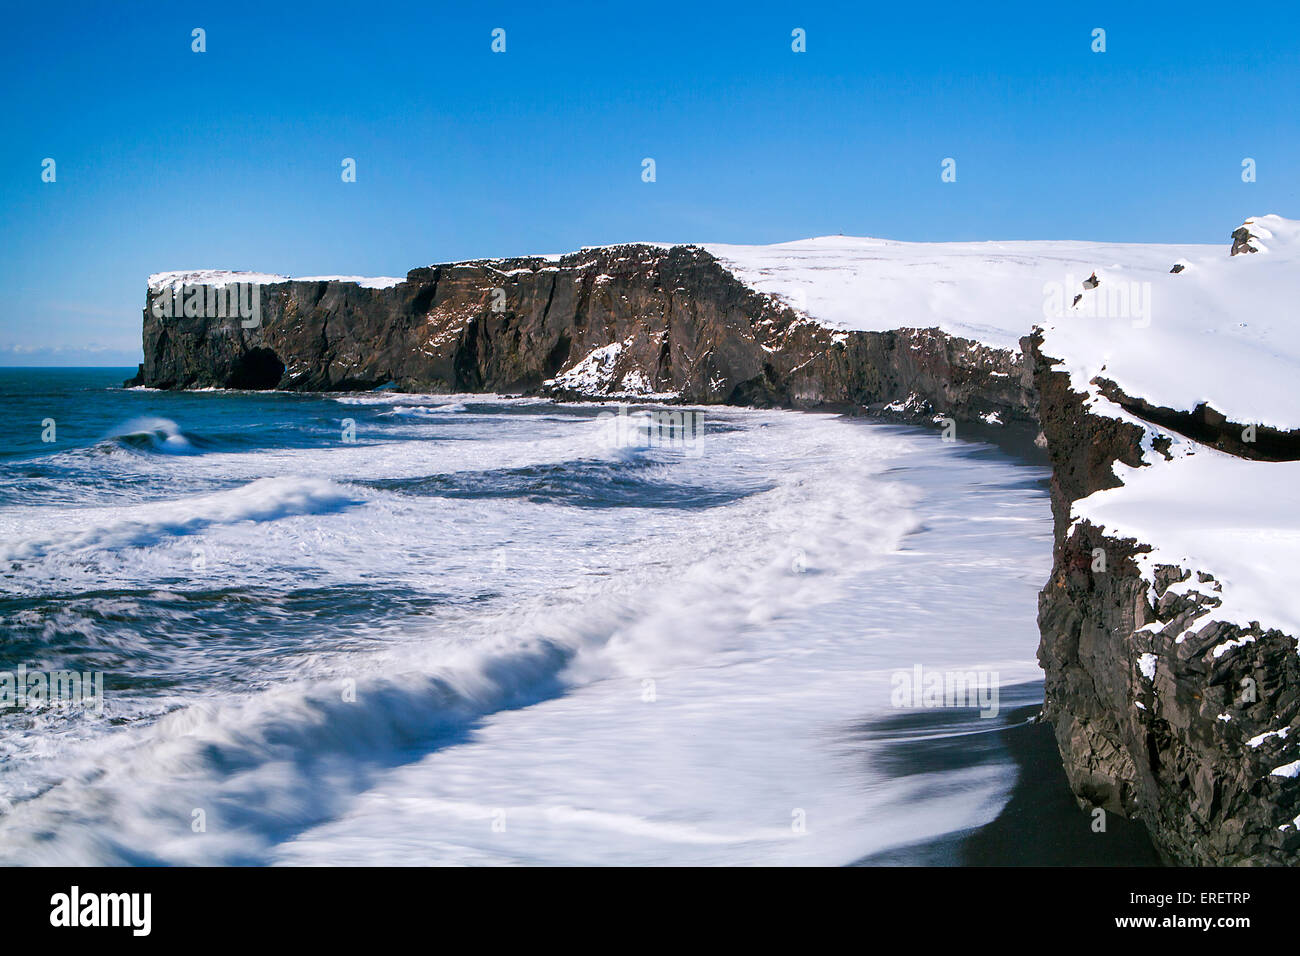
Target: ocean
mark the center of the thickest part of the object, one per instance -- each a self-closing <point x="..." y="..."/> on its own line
<point x="380" y="628"/>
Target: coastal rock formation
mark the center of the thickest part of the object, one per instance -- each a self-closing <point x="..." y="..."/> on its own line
<point x="1172" y="685"/>
<point x="628" y="322"/>
<point x="1161" y="712"/>
<point x="1169" y="645"/>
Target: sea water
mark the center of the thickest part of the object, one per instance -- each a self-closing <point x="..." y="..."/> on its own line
<point x="418" y="629"/>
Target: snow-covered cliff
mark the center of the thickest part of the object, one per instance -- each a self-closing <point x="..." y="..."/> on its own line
<point x="1169" y="625"/>
<point x="1162" y="377"/>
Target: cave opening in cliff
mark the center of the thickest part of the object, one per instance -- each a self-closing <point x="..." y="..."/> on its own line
<point x="256" y="369"/>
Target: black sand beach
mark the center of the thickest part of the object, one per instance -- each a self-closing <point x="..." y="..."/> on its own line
<point x="1041" y="824"/>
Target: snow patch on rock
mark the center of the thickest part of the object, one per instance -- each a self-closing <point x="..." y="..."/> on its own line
<point x="1147" y="665"/>
<point x="221" y="277"/>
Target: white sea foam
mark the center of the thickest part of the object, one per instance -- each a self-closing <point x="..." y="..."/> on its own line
<point x="691" y="673"/>
<point x="265" y="499"/>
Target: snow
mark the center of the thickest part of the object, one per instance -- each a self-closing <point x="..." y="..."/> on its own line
<point x="1205" y="510"/>
<point x="594" y="373"/>
<point x="222" y="277"/>
<point x="1147" y="665"/>
<point x="1258" y="741"/>
<point x="1231" y="645"/>
<point x="913" y="403"/>
<point x="1176" y="340"/>
<point x="212" y="277"/>
<point x="636" y="383"/>
<point x="991" y="292"/>
<point x="366" y="282"/>
<point x="1221" y="332"/>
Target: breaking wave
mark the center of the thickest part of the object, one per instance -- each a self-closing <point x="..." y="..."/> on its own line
<point x="367" y="651"/>
<point x="157" y="435"/>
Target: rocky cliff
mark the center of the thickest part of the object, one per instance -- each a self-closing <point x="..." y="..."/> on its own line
<point x="1168" y="646"/>
<point x="1162" y="711"/>
<point x="1171" y="702"/>
<point x="635" y="321"/>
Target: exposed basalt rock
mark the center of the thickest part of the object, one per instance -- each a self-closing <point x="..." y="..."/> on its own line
<point x="625" y="321"/>
<point x="1083" y="448"/>
<point x="1170" y="749"/>
<point x="1242" y="241"/>
<point x="1210" y="427"/>
<point x="1152" y="702"/>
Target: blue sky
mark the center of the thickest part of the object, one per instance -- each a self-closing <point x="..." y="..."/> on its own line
<point x="170" y="159"/>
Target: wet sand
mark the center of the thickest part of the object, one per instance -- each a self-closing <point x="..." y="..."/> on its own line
<point x="1041" y="824"/>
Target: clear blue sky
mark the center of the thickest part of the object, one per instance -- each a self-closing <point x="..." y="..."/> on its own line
<point x="169" y="159"/>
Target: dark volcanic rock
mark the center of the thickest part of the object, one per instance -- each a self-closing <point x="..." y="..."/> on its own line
<point x="1153" y="705"/>
<point x="1171" y="749"/>
<point x="1241" y="241"/>
<point x="670" y="321"/>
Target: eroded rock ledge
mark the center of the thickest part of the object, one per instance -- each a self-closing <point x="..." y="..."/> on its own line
<point x="1161" y="712"/>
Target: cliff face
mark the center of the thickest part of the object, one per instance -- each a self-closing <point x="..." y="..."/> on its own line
<point x="626" y="321"/>
<point x="1166" y="707"/>
<point x="1161" y="712"/>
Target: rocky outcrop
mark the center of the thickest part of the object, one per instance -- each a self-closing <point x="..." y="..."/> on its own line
<point x="1153" y="717"/>
<point x="1243" y="240"/>
<point x="632" y="321"/>
<point x="1161" y="712"/>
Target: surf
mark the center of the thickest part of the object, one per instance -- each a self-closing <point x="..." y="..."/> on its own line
<point x="454" y="620"/>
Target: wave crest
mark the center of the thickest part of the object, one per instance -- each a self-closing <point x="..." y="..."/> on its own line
<point x="155" y="435"/>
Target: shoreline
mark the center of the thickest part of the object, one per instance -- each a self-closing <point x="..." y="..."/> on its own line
<point x="1039" y="825"/>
